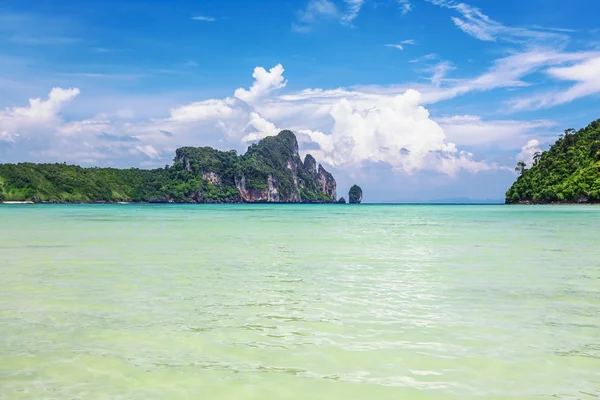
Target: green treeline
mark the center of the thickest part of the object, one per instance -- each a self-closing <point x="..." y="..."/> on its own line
<point x="198" y="174"/>
<point x="568" y="172"/>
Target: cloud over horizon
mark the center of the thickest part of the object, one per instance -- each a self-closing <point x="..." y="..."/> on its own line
<point x="348" y="130"/>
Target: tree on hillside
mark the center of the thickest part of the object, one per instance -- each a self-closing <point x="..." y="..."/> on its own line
<point x="537" y="157"/>
<point x="520" y="168"/>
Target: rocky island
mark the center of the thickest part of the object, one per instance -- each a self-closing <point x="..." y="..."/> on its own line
<point x="271" y="171"/>
<point x="569" y="172"/>
<point x="355" y="195"/>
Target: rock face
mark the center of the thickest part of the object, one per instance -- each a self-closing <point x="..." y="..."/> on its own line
<point x="271" y="171"/>
<point x="341" y="200"/>
<point x="326" y="183"/>
<point x="355" y="195"/>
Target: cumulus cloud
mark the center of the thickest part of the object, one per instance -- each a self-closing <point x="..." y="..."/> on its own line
<point x="260" y="128"/>
<point x="528" y="150"/>
<point x="264" y="83"/>
<point x="39" y="113"/>
<point x="397" y="132"/>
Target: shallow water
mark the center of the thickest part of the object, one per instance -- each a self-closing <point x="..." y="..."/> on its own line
<point x="299" y="302"/>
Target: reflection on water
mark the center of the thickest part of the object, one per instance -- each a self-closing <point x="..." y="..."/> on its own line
<point x="297" y="302"/>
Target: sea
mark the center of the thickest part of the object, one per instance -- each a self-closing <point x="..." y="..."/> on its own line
<point x="256" y="301"/>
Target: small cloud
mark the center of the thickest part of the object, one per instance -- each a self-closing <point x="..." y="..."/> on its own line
<point x="314" y="11"/>
<point x="203" y="18"/>
<point x="116" y="138"/>
<point x="166" y="133"/>
<point x="544" y="28"/>
<point x="408" y="41"/>
<point x="528" y="151"/>
<point x="396" y="46"/>
<point x="426" y="57"/>
<point x="354" y="7"/>
<point x="405" y="6"/>
<point x="148" y="150"/>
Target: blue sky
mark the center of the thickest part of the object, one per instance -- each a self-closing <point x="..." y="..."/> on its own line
<point x="414" y="100"/>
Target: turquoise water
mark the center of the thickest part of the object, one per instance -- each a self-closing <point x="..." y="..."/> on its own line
<point x="299" y="302"/>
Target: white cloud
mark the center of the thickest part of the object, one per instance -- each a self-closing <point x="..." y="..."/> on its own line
<point x="475" y="23"/>
<point x="38" y="114"/>
<point x="203" y="18"/>
<point x="148" y="150"/>
<point x="587" y="76"/>
<point x="8" y="137"/>
<point x="314" y="11"/>
<point x="471" y="130"/>
<point x="440" y="71"/>
<point x="408" y="41"/>
<point x="396" y="131"/>
<point x="353" y="8"/>
<point x="405" y="6"/>
<point x="396" y="46"/>
<point x="507" y="72"/>
<point x="260" y="127"/>
<point x="320" y="10"/>
<point x="264" y="83"/>
<point x="527" y="151"/>
<point x="203" y="110"/>
<point x="586" y="73"/>
<point x="426" y="57"/>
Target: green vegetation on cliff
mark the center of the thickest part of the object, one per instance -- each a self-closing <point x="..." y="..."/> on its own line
<point x="269" y="171"/>
<point x="568" y="172"/>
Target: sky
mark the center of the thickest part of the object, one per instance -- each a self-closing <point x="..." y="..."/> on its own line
<point x="414" y="100"/>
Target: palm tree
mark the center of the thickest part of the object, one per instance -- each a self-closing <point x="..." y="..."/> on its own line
<point x="520" y="168"/>
<point x="537" y="157"/>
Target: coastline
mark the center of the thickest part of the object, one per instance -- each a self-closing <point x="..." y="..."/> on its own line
<point x="163" y="202"/>
<point x="553" y="203"/>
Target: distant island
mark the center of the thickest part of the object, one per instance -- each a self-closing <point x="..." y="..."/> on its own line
<point x="569" y="172"/>
<point x="271" y="171"/>
<point x="355" y="195"/>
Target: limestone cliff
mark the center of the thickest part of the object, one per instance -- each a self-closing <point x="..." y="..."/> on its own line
<point x="271" y="171"/>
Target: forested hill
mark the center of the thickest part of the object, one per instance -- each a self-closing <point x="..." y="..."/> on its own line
<point x="569" y="172"/>
<point x="270" y="171"/>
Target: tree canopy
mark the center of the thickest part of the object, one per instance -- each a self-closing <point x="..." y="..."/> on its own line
<point x="568" y="172"/>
